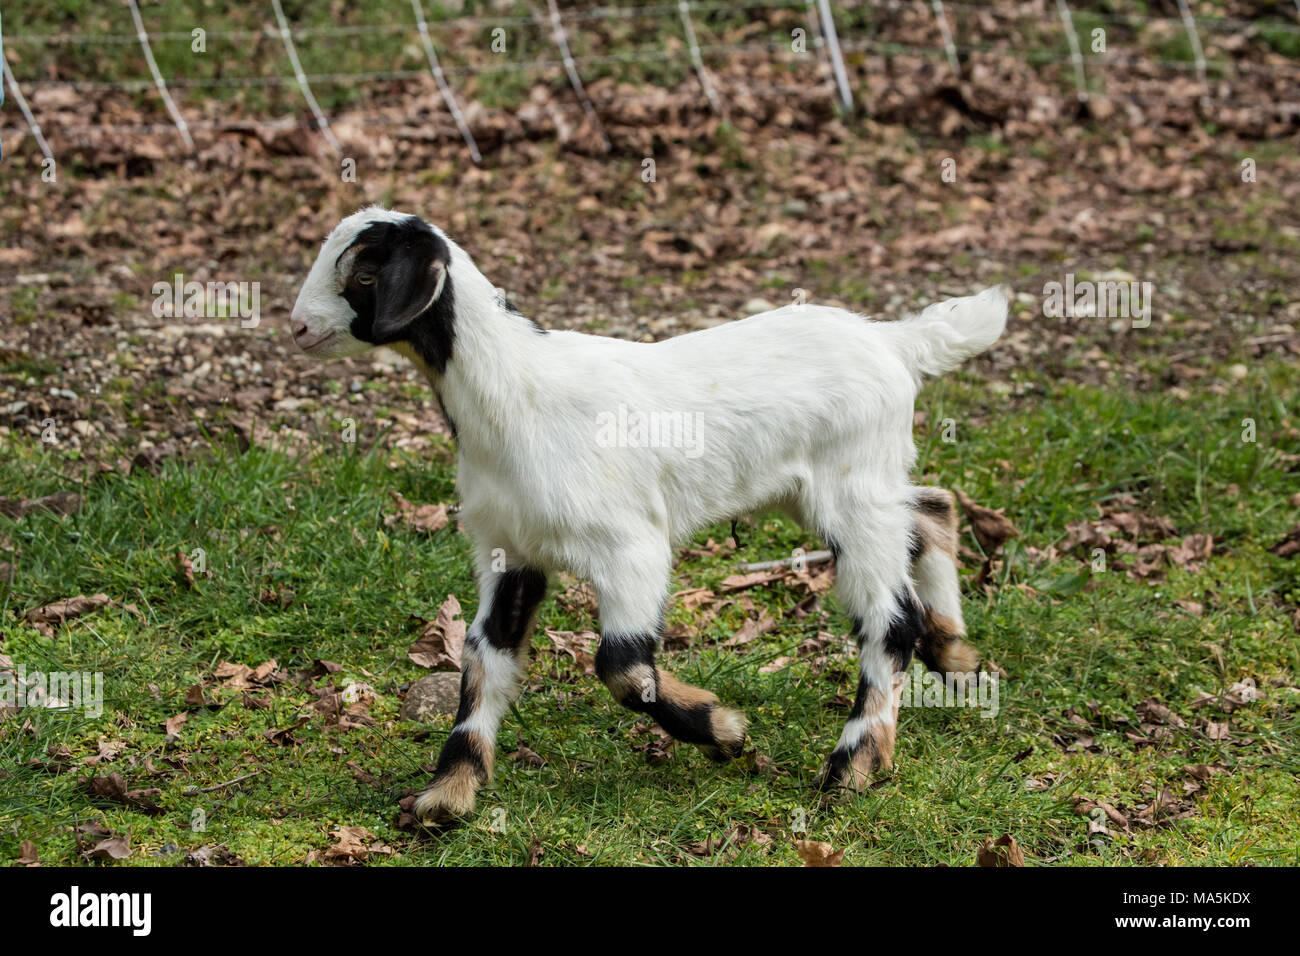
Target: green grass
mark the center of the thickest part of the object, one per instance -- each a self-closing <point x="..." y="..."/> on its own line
<point x="1064" y="637"/>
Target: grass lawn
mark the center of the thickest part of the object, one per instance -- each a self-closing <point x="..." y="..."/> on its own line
<point x="1082" y="653"/>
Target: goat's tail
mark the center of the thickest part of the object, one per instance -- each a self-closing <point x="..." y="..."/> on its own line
<point x="947" y="333"/>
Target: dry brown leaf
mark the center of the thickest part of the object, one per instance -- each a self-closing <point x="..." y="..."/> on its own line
<point x="441" y="642"/>
<point x="751" y="629"/>
<point x="60" y="611"/>
<point x="354" y="845"/>
<point x="815" y="853"/>
<point x="117" y="846"/>
<point x="741" y="582"/>
<point x="1004" y="851"/>
<point x="27" y="855"/>
<point x="172" y="725"/>
<point x="423" y="518"/>
<point x="579" y="645"/>
<point x="113" y="787"/>
<point x="1288" y="546"/>
<point x="992" y="528"/>
<point x="523" y="754"/>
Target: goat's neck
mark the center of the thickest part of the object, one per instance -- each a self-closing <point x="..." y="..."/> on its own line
<point x="493" y="380"/>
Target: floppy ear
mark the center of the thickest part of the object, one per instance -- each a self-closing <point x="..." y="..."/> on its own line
<point x="408" y="283"/>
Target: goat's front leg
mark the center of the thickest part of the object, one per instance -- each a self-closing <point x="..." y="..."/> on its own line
<point x="493" y="663"/>
<point x="631" y="614"/>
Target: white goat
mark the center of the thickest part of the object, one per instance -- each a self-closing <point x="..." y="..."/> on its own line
<point x="565" y="462"/>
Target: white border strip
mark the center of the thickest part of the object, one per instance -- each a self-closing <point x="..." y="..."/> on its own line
<point x="448" y="97"/>
<point x="1076" y="54"/>
<point x="949" y="47"/>
<point x="142" y="35"/>
<point x="1194" y="39"/>
<point x="685" y="7"/>
<point x="837" y="58"/>
<point x="562" y="41"/>
<point x="26" y="110"/>
<point x="321" y="122"/>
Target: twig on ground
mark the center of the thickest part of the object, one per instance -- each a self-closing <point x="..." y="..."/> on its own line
<point x="812" y="557"/>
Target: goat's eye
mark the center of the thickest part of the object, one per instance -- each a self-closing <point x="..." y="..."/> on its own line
<point x="366" y="278"/>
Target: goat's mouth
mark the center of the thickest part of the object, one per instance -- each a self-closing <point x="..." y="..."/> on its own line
<point x="313" y="347"/>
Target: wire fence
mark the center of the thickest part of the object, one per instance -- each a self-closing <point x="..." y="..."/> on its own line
<point x="817" y="18"/>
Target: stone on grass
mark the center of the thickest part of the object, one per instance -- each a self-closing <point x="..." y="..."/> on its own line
<point x="432" y="696"/>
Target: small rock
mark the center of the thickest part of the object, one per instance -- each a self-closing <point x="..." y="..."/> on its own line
<point x="149" y="459"/>
<point x="756" y="305"/>
<point x="1238" y="372"/>
<point x="433" y="695"/>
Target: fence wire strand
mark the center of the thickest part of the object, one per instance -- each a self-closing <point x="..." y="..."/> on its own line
<point x="818" y="16"/>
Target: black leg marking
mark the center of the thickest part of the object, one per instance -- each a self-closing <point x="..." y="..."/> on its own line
<point x="461" y="748"/>
<point x="515" y="597"/>
<point x="907" y="628"/>
<point x="692" y="715"/>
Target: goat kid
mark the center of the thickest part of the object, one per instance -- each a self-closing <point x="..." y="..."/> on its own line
<point x="806" y="408"/>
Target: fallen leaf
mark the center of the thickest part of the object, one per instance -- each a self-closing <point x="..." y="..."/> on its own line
<point x="441" y="642"/>
<point x="1288" y="546"/>
<point x="1004" y="851"/>
<point x="741" y="582"/>
<point x="172" y="725"/>
<point x="423" y="518"/>
<point x="526" y="756"/>
<point x="354" y="845"/>
<point x="61" y="611"/>
<point x="115" y="847"/>
<point x="814" y="853"/>
<point x="579" y="645"/>
<point x="113" y="787"/>
<point x="992" y="529"/>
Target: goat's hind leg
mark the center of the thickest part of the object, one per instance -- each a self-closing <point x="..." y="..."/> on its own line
<point x="494" y="660"/>
<point x="871" y="545"/>
<point x="934" y="572"/>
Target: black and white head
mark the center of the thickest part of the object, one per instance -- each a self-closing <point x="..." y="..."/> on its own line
<point x="382" y="278"/>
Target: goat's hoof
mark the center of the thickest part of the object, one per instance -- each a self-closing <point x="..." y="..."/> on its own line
<point x="728" y="727"/>
<point x="443" y="805"/>
<point x="845" y="775"/>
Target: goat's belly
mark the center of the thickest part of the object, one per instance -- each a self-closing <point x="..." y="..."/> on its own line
<point x="718" y="494"/>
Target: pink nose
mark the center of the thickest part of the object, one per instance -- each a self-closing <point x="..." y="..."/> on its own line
<point x="299" y="328"/>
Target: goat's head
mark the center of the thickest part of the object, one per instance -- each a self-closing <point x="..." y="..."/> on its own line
<point x="382" y="278"/>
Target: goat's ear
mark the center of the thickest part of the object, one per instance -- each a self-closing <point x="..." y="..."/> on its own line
<point x="408" y="283"/>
